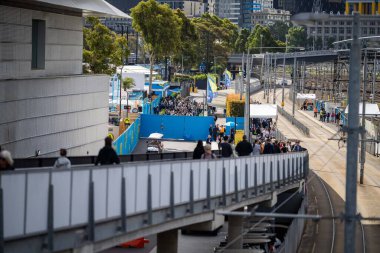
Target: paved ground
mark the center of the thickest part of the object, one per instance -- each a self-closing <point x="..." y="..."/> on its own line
<point x="327" y="160"/>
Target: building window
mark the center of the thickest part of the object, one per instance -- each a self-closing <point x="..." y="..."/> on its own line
<point x="341" y="22"/>
<point x="348" y="30"/>
<point x="38" y="43"/>
<point x="333" y="30"/>
<point x="371" y="31"/>
<point x="341" y="30"/>
<point x="327" y="30"/>
<point x="349" y="22"/>
<point x="378" y="30"/>
<point x="372" y="23"/>
<point x="365" y="30"/>
<point x="319" y="30"/>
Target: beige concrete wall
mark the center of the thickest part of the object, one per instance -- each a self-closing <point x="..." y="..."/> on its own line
<point x="63" y="50"/>
<point x="49" y="113"/>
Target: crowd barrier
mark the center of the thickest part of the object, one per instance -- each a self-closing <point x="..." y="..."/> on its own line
<point x="127" y="141"/>
<point x="148" y="107"/>
<point x="189" y="128"/>
<point x="46" y="201"/>
<point x="304" y="129"/>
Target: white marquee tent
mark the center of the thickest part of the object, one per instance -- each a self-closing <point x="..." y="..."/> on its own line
<point x="263" y="111"/>
<point x="370" y="109"/>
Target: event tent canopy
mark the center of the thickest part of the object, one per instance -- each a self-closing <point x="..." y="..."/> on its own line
<point x="263" y="111"/>
<point x="305" y="96"/>
<point x="370" y="109"/>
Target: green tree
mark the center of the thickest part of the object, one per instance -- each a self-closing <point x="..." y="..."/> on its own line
<point x="329" y="42"/>
<point x="103" y="49"/>
<point x="128" y="83"/>
<point x="279" y="30"/>
<point x="187" y="52"/>
<point x="268" y="42"/>
<point x="241" y="41"/>
<point x="160" y="29"/>
<point x="217" y="38"/>
<point x="297" y="37"/>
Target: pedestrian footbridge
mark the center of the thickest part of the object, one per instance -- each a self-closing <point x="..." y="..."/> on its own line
<point x="92" y="208"/>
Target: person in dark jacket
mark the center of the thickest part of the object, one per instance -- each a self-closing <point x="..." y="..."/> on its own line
<point x="268" y="147"/>
<point x="226" y="148"/>
<point x="199" y="150"/>
<point x="210" y="130"/>
<point x="244" y="148"/>
<point x="276" y="147"/>
<point x="215" y="133"/>
<point x="107" y="155"/>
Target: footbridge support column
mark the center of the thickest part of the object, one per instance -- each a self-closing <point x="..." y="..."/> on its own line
<point x="235" y="231"/>
<point x="167" y="242"/>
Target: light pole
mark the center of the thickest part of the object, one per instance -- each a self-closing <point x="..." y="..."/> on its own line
<point x="363" y="133"/>
<point x="314" y="32"/>
<point x="283" y="74"/>
<point x="275" y="79"/>
<point x="261" y="43"/>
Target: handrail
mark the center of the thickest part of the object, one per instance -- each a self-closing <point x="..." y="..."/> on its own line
<point x="47" y="201"/>
<point x="304" y="129"/>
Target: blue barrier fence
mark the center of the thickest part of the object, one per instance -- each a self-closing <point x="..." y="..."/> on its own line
<point x="127" y="141"/>
<point x="148" y="108"/>
<point x="189" y="128"/>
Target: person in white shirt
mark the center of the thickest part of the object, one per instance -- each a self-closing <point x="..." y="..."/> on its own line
<point x="62" y="162"/>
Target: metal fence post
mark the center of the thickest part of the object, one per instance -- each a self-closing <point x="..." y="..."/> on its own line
<point x="224" y="187"/>
<point x="2" y="250"/>
<point x="149" y="201"/>
<point x="283" y="172"/>
<point x="208" y="189"/>
<point x="264" y="190"/>
<point x="172" y="211"/>
<point x="50" y="218"/>
<point x="255" y="180"/>
<point x="293" y="179"/>
<point x="91" y="211"/>
<point x="236" y="186"/>
<point x="123" y="206"/>
<point x="271" y="175"/>
<point x="191" y="209"/>
<point x="246" y="182"/>
<point x="288" y="179"/>
<point x="278" y="174"/>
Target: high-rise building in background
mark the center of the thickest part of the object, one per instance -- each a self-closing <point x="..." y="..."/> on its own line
<point x="297" y="6"/>
<point x="124" y="5"/>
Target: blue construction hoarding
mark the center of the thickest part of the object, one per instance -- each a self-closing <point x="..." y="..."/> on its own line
<point x="189" y="128"/>
<point x="127" y="141"/>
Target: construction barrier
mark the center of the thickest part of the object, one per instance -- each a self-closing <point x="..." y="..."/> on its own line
<point x="127" y="141"/>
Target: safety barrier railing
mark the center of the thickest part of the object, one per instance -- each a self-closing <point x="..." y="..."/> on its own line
<point x="44" y="201"/>
<point x="304" y="129"/>
<point x="127" y="141"/>
<point x="148" y="107"/>
<point x="294" y="234"/>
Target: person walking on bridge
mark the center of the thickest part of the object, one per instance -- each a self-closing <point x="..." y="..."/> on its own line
<point x="199" y="150"/>
<point x="226" y="148"/>
<point x="107" y="155"/>
<point x="62" y="162"/>
<point x="315" y="112"/>
<point x="244" y="148"/>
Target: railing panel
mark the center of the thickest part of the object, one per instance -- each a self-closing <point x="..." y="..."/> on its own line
<point x="61" y="180"/>
<point x="37" y="202"/>
<point x="141" y="188"/>
<point x="14" y="203"/>
<point x="177" y="173"/>
<point x="267" y="159"/>
<point x="165" y="184"/>
<point x="218" y="184"/>
<point x="114" y="192"/>
<point x="99" y="177"/>
<point x="230" y="175"/>
<point x="185" y="182"/>
<point x="251" y="171"/>
<point x="240" y="163"/>
<point x="259" y="162"/>
<point x="155" y="172"/>
<point x="203" y="179"/>
<point x="79" y="196"/>
<point x="130" y="175"/>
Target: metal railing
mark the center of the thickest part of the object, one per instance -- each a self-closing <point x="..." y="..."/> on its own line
<point x="294" y="234"/>
<point x="45" y="202"/>
<point x="304" y="129"/>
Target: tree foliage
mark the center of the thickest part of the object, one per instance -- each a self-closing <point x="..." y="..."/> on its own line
<point x="103" y="49"/>
<point x="269" y="44"/>
<point x="279" y="30"/>
<point x="160" y="29"/>
<point x="128" y="83"/>
<point x="241" y="41"/>
<point x="297" y="37"/>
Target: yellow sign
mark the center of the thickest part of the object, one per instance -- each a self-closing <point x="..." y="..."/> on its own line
<point x="282" y="104"/>
<point x="127" y="121"/>
<point x="239" y="136"/>
<point x="212" y="82"/>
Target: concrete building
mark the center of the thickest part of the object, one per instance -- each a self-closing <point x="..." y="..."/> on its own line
<point x="46" y="103"/>
<point x="298" y="6"/>
<point x="270" y="16"/>
<point x="229" y="9"/>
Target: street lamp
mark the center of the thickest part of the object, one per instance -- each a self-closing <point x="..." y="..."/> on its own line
<point x="314" y="32"/>
<point x="261" y="43"/>
<point x="283" y="74"/>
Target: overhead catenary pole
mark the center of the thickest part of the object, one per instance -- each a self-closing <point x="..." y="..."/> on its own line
<point x="241" y="87"/>
<point x="247" y="96"/>
<point x="284" y="74"/>
<point x="275" y="79"/>
<point x="294" y="85"/>
<point x="363" y="132"/>
<point x="352" y="139"/>
<point x="374" y="78"/>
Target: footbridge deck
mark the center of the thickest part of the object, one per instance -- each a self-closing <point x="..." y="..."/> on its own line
<point x="89" y="209"/>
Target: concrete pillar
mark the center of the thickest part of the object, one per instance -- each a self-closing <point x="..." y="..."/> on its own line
<point x="373" y="8"/>
<point x="361" y="8"/>
<point x="167" y="242"/>
<point x="235" y="230"/>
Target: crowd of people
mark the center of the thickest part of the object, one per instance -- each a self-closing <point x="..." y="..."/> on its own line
<point x="227" y="149"/>
<point x="328" y="117"/>
<point x="178" y="106"/>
